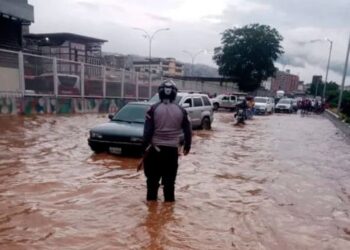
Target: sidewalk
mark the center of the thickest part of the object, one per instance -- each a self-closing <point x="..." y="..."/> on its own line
<point x="334" y="118"/>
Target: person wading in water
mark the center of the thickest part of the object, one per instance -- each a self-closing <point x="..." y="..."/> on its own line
<point x="165" y="124"/>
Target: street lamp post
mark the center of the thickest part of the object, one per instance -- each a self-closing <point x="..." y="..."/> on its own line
<point x="193" y="57"/>
<point x="150" y="39"/>
<point x="344" y="76"/>
<point x="329" y="59"/>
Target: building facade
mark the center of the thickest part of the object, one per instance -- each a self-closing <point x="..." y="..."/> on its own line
<point x="285" y="81"/>
<point x="316" y="79"/>
<point x="165" y="67"/>
<point x="15" y="16"/>
<point x="66" y="46"/>
<point x="118" y="61"/>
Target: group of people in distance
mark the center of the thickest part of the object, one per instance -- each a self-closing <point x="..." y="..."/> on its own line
<point x="307" y="105"/>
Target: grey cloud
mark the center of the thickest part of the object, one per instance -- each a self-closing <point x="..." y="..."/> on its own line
<point x="89" y="6"/>
<point x="293" y="60"/>
<point x="323" y="13"/>
<point x="95" y="6"/>
<point x="158" y="17"/>
<point x="339" y="68"/>
<point x="300" y="60"/>
<point x="296" y="20"/>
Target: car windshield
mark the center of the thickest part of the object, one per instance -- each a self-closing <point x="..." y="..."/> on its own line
<point x="155" y="99"/>
<point x="132" y="113"/>
<point x="260" y="100"/>
<point x="284" y="102"/>
<point x="220" y="96"/>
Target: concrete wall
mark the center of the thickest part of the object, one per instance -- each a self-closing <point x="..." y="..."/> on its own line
<point x="11" y="104"/>
<point x="9" y="80"/>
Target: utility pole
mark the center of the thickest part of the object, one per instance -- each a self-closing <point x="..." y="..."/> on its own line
<point x="344" y="76"/>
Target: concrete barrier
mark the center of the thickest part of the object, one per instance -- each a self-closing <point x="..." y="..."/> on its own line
<point x="335" y="119"/>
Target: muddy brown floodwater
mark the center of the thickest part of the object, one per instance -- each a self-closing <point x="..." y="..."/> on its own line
<point x="281" y="182"/>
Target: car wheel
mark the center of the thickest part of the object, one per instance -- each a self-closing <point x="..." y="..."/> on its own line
<point x="206" y="125"/>
<point x="216" y="106"/>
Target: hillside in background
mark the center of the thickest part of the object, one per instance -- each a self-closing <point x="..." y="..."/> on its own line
<point x="200" y="70"/>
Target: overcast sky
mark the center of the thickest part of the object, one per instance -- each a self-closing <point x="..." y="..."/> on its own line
<point x="198" y="24"/>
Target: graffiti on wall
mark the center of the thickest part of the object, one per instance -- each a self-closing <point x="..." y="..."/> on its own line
<point x="10" y="105"/>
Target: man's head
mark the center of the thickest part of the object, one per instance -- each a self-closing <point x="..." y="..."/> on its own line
<point x="167" y="90"/>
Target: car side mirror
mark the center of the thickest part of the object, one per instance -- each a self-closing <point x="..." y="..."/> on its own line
<point x="110" y="116"/>
<point x="185" y="105"/>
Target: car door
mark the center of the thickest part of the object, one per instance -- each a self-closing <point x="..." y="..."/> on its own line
<point x="268" y="105"/>
<point x="225" y="102"/>
<point x="190" y="110"/>
<point x="207" y="109"/>
<point x="272" y="101"/>
<point x="197" y="110"/>
<point x="233" y="101"/>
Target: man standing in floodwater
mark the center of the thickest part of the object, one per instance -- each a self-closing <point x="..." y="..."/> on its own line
<point x="165" y="123"/>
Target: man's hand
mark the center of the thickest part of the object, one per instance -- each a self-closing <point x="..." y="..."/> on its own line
<point x="186" y="151"/>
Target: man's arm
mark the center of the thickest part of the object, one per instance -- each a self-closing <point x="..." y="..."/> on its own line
<point x="148" y="129"/>
<point x="187" y="129"/>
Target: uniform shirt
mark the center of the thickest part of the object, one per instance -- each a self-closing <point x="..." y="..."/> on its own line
<point x="167" y="125"/>
<point x="165" y="122"/>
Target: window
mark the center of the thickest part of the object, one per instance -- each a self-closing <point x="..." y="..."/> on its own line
<point x="197" y="102"/>
<point x="206" y="101"/>
<point x="225" y="98"/>
<point x="189" y="101"/>
<point x="233" y="98"/>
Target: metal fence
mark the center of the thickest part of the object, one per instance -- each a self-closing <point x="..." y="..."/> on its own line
<point x="27" y="74"/>
<point x="34" y="75"/>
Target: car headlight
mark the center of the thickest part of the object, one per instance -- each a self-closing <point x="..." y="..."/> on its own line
<point x="95" y="135"/>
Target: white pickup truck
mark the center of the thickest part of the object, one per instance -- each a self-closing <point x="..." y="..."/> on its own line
<point x="227" y="101"/>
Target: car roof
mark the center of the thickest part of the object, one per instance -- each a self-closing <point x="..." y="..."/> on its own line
<point x="192" y="94"/>
<point x="145" y="103"/>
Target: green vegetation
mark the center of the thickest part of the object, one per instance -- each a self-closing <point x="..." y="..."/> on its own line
<point x="248" y="53"/>
<point x="332" y="97"/>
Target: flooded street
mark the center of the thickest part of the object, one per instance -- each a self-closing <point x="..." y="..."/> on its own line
<point x="280" y="182"/>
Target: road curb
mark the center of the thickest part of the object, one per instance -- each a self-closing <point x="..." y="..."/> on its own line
<point x="335" y="119"/>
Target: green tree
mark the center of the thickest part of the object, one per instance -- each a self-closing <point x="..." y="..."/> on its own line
<point x="248" y="53"/>
<point x="331" y="89"/>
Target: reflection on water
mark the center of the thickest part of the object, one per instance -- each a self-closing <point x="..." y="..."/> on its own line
<point x="158" y="216"/>
<point x="279" y="182"/>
